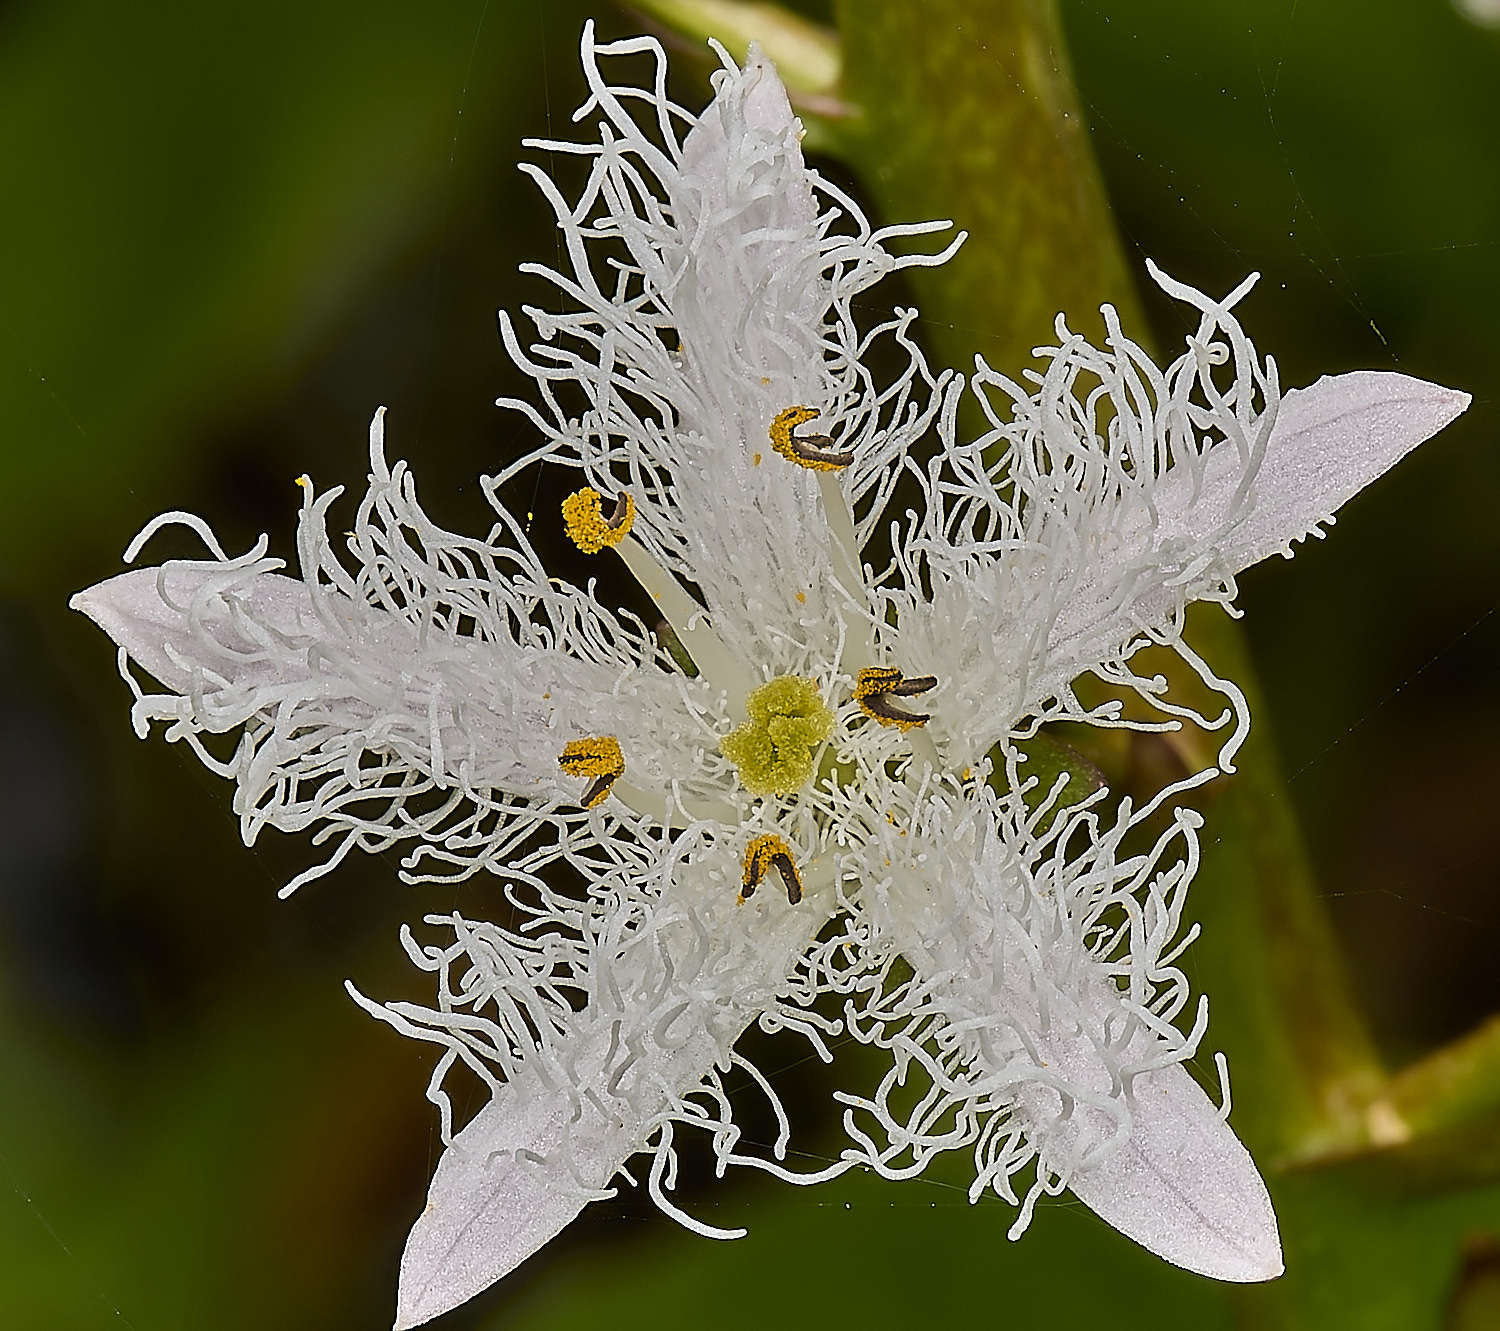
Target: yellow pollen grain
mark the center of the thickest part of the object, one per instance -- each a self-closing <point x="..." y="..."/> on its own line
<point x="588" y="528"/>
<point x="598" y="757"/>
<point x="761" y="855"/>
<point x="802" y="598"/>
<point x="755" y="461"/>
<point x="783" y="441"/>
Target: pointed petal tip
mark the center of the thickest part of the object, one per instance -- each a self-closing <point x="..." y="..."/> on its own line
<point x="1253" y="1260"/>
<point x="1184" y="1187"/>
<point x="1432" y="405"/>
<point x="1459" y="401"/>
<point x="95" y="601"/>
<point x="486" y="1211"/>
<point x="420" y="1310"/>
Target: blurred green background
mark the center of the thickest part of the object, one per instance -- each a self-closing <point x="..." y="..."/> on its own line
<point x="229" y="232"/>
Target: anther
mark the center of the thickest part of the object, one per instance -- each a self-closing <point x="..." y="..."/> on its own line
<point x="598" y="757"/>
<point x="877" y="686"/>
<point x="767" y="852"/>
<point x="588" y="528"/>
<point x="814" y="451"/>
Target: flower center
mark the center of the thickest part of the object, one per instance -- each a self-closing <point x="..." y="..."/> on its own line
<point x="774" y="749"/>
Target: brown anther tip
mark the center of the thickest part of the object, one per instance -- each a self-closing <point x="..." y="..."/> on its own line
<point x="878" y="685"/>
<point x="887" y="713"/>
<point x="818" y="449"/>
<point x="764" y="853"/>
<point x="790" y="878"/>
<point x="814" y="451"/>
<point x="910" y="688"/>
<point x="598" y="757"/>
<point x="598" y="790"/>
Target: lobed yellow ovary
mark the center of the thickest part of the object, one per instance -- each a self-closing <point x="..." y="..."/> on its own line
<point x="774" y="749"/>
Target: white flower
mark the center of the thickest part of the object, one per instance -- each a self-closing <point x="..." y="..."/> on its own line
<point x="805" y="811"/>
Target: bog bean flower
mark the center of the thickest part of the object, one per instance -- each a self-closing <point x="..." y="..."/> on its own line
<point x="796" y="796"/>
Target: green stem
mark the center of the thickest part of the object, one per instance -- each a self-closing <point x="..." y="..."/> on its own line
<point x="1461" y="1081"/>
<point x="966" y="109"/>
<point x="1306" y="1067"/>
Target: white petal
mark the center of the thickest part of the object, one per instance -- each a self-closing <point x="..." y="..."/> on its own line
<point x="1181" y="1185"/>
<point x="131" y="610"/>
<point x="1184" y="1187"/>
<point x="1200" y="476"/>
<point x="487" y="1211"/>
<point x="609" y="1080"/>
<point x="499" y="712"/>
<point x="997" y="930"/>
<point x="1329" y="442"/>
<point x="736" y="308"/>
<point x="749" y="305"/>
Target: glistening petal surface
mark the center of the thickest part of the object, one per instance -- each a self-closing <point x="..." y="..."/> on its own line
<point x="1184" y="1187"/>
<point x="1330" y="440"/>
<point x="604" y="1035"/>
<point x="488" y="1209"/>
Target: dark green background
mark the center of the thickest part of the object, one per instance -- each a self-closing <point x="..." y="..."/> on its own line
<point x="228" y="232"/>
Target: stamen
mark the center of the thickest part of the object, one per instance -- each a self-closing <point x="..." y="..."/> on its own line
<point x="599" y="757"/>
<point x="761" y="855"/>
<point x="814" y="451"/>
<point x="588" y="528"/>
<point x="875" y="688"/>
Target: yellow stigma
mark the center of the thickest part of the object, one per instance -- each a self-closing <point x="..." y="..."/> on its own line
<point x="588" y="528"/>
<point x="876" y="687"/>
<point x="774" y="749"/>
<point x="598" y="757"/>
<point x="815" y="451"/>
<point x="761" y="855"/>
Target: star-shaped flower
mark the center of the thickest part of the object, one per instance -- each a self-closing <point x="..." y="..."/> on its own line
<point x="804" y="785"/>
